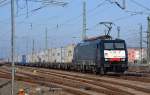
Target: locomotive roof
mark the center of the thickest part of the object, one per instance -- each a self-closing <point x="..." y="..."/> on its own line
<point x="105" y="40"/>
<point x="99" y="40"/>
<point x="103" y="37"/>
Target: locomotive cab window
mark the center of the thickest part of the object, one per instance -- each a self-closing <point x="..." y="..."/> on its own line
<point x="114" y="45"/>
<point x="119" y="45"/>
<point x="108" y="45"/>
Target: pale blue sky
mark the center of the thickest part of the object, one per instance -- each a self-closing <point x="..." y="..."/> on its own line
<point x="64" y="23"/>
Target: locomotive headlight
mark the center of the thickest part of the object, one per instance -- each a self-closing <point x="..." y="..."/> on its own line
<point x="106" y="59"/>
<point x="122" y="59"/>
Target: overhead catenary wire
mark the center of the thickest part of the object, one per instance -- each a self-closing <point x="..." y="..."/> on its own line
<point x="119" y="5"/>
<point x="4" y="3"/>
<point x="77" y="17"/>
<point x="124" y="17"/>
<point x="137" y="12"/>
<point x="97" y="6"/>
<point x="67" y="21"/>
<point x="36" y="9"/>
<point x="140" y="5"/>
<point x="100" y="4"/>
<point x="45" y="2"/>
<point x="1" y="2"/>
<point x="89" y="11"/>
<point x="117" y="19"/>
<point x="131" y="14"/>
<point x="30" y="12"/>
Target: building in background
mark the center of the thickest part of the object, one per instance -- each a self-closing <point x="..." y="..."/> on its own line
<point x="134" y="55"/>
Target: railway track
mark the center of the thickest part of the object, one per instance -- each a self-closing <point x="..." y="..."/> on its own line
<point x="102" y="82"/>
<point x="87" y="84"/>
<point x="39" y="80"/>
<point x="85" y="88"/>
<point x="106" y="80"/>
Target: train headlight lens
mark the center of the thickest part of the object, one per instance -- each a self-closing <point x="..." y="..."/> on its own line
<point x="106" y="59"/>
<point x="123" y="59"/>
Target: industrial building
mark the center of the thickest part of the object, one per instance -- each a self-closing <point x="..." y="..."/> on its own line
<point x="136" y="55"/>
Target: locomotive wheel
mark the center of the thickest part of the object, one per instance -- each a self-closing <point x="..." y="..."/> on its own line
<point x="122" y="71"/>
<point x="97" y="71"/>
<point x="102" y="71"/>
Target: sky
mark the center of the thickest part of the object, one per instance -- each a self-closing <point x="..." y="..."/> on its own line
<point x="64" y="23"/>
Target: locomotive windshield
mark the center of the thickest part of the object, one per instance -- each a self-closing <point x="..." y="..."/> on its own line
<point x="114" y="45"/>
<point x="114" y="50"/>
<point x="119" y="45"/>
<point x="108" y="45"/>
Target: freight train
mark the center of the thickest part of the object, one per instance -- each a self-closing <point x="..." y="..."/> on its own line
<point x="98" y="55"/>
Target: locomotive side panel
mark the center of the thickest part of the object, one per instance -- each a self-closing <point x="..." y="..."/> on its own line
<point x="85" y="54"/>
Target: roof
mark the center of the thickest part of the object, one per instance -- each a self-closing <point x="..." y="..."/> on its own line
<point x="103" y="37"/>
<point x="136" y="48"/>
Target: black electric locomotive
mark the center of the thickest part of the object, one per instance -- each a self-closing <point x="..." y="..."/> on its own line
<point x="102" y="55"/>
